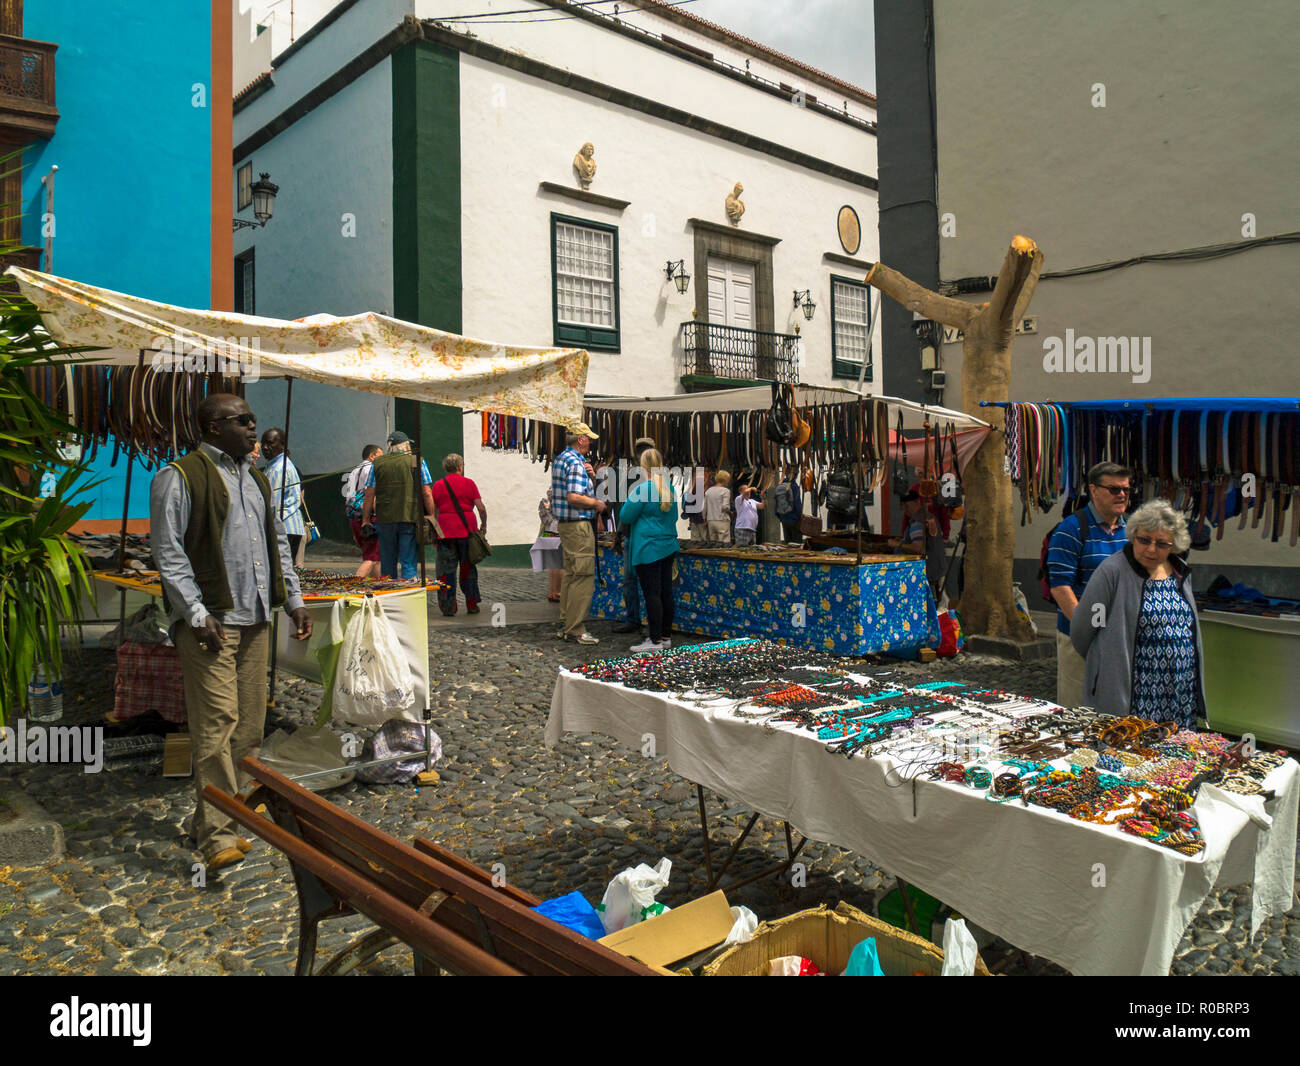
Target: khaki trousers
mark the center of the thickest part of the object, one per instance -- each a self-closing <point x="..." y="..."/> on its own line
<point x="699" y="533"/>
<point x="1069" y="673"/>
<point x="225" y="696"/>
<point x="719" y="531"/>
<point x="579" y="582"/>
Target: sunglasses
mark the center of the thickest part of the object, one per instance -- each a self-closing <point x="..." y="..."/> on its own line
<point x="1151" y="542"/>
<point x="1117" y="490"/>
<point x="243" y="420"/>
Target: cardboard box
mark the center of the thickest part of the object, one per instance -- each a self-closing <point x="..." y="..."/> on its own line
<point x="827" y="937"/>
<point x="680" y="933"/>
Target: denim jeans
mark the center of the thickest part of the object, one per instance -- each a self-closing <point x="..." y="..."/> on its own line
<point x="397" y="547"/>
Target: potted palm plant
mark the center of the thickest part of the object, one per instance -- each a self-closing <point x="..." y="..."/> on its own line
<point x="43" y="573"/>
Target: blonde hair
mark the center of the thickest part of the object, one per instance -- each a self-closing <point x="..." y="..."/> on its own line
<point x="653" y="464"/>
<point x="722" y="478"/>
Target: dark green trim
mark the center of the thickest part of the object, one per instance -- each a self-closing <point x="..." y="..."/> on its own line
<point x="583" y="196"/>
<point x="427" y="284"/>
<point x="841" y="369"/>
<point x="704" y="383"/>
<point x="512" y="556"/>
<point x="572" y="335"/>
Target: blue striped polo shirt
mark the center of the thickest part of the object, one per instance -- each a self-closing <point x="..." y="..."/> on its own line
<point x="1072" y="558"/>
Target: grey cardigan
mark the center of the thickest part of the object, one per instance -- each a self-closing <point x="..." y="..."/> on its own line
<point x="1117" y="585"/>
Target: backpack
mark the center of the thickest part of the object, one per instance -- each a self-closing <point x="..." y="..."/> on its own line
<point x="778" y="427"/>
<point x="782" y="499"/>
<point x="840" y="493"/>
<point x="354" y="493"/>
<point x="1044" y="580"/>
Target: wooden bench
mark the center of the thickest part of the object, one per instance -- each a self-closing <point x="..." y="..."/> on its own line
<point x="444" y="908"/>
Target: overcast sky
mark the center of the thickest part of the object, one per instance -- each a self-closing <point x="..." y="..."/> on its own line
<point x="836" y="36"/>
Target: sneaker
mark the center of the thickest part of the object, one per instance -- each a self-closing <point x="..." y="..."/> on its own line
<point x="646" y="645"/>
<point x="472" y="610"/>
<point x="627" y="627"/>
<point x="559" y="634"/>
<point x="587" y="638"/>
<point x="664" y="644"/>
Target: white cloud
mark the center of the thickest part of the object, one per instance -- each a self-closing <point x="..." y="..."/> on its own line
<point x="837" y="36"/>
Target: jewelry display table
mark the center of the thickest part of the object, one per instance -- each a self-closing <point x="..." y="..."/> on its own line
<point x="1094" y="899"/>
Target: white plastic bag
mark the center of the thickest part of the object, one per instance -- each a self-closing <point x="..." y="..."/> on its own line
<point x="1022" y="605"/>
<point x="742" y="931"/>
<point x="630" y="897"/>
<point x="305" y="751"/>
<point x="373" y="682"/>
<point x="959" y="949"/>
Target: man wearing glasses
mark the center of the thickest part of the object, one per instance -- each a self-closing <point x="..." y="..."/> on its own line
<point x="1081" y="543"/>
<point x="225" y="566"/>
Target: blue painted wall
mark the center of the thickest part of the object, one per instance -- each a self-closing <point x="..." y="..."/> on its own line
<point x="132" y="195"/>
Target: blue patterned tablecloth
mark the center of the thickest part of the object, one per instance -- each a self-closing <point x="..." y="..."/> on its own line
<point x="885" y="604"/>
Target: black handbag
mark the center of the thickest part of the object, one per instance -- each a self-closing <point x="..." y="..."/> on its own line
<point x="479" y="548"/>
<point x="779" y="428"/>
<point x="902" y="481"/>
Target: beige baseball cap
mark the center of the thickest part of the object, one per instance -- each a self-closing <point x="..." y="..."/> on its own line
<point x="581" y="429"/>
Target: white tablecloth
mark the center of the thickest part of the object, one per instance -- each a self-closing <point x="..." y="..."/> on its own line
<point x="1094" y="899"/>
<point x="547" y="554"/>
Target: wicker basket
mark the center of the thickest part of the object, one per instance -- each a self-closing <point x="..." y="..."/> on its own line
<point x="827" y="937"/>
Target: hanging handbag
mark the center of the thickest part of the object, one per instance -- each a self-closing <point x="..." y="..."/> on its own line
<point x="928" y="486"/>
<point x="902" y="482"/>
<point x="479" y="548"/>
<point x="311" y="533"/>
<point x="779" y="429"/>
<point x="951" y="495"/>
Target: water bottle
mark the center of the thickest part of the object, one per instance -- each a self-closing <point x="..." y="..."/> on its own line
<point x="56" y="699"/>
<point x="39" y="707"/>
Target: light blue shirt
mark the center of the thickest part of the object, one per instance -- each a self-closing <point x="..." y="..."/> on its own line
<point x="291" y="513"/>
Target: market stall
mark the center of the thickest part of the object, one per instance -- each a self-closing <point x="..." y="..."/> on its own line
<point x="1225" y="462"/>
<point x="164" y="358"/>
<point x="1008" y="809"/>
<point x="819" y="600"/>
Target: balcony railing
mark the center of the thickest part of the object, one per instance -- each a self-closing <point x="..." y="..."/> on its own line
<point x="717" y="351"/>
<point x="27" y="87"/>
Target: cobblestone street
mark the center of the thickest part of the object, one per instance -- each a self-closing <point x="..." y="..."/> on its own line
<point x="121" y="901"/>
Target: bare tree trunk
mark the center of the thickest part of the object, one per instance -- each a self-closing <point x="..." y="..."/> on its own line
<point x="987" y="606"/>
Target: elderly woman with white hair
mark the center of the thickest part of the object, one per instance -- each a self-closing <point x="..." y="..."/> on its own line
<point x="1136" y="625"/>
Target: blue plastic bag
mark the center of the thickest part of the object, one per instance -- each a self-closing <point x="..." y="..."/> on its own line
<point x="574" y="912"/>
<point x="863" y="961"/>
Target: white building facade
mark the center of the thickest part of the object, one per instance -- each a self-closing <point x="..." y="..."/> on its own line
<point x="427" y="170"/>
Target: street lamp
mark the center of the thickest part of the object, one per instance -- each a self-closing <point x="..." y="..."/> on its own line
<point x="677" y="274"/>
<point x="264" y="191"/>
<point x="804" y="299"/>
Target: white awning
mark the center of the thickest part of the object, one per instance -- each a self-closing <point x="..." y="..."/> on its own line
<point x="369" y="352"/>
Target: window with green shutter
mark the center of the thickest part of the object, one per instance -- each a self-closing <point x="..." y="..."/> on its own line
<point x="584" y="283"/>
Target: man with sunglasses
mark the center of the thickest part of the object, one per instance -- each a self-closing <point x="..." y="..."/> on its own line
<point x="225" y="566"/>
<point x="1081" y="543"/>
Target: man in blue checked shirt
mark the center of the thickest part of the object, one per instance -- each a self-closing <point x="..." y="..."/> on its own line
<point x="574" y="504"/>
<point x="1081" y="543"/>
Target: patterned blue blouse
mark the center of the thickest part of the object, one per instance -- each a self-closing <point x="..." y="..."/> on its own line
<point x="1164" y="665"/>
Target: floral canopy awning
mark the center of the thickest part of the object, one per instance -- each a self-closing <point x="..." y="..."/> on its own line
<point x="369" y="352"/>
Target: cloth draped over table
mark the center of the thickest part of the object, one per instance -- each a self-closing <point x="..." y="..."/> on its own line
<point x="369" y="352"/>
<point x="1215" y="457"/>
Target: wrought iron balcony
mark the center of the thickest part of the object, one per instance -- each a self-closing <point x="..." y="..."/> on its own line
<point x="27" y="87"/>
<point x="712" y="350"/>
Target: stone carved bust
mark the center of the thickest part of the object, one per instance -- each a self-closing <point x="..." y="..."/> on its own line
<point x="735" y="206"/>
<point x="584" y="164"/>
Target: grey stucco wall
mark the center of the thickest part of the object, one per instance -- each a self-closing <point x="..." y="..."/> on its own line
<point x="1198" y="129"/>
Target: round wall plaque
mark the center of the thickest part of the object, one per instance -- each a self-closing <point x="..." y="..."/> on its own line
<point x="850" y="230"/>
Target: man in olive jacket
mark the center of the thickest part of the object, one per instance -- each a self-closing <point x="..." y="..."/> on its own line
<point x="224" y="561"/>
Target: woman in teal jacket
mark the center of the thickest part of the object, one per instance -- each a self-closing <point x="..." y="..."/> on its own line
<point x="649" y="520"/>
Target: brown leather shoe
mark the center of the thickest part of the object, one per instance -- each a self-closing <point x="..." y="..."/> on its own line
<point x="243" y="844"/>
<point x="225" y="857"/>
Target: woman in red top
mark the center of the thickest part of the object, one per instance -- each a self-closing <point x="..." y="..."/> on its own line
<point x="456" y="498"/>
